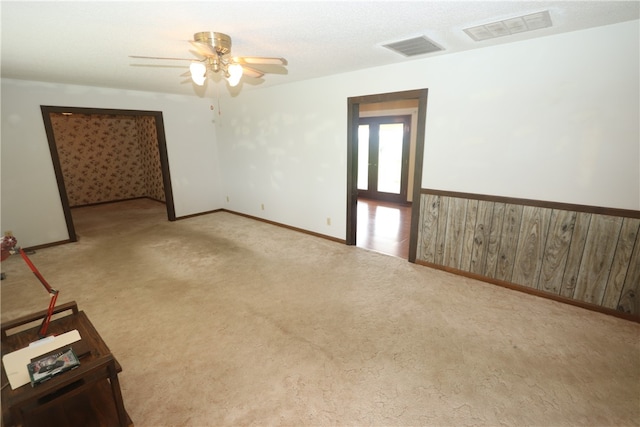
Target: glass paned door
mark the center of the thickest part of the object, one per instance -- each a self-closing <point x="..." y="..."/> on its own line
<point x="390" y="157"/>
<point x="383" y="152"/>
<point x="363" y="157"/>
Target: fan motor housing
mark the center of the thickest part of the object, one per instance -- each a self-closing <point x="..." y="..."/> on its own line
<point x="221" y="42"/>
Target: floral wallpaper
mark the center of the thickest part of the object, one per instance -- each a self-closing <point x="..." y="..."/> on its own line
<point x="108" y="157"/>
<point x="147" y="139"/>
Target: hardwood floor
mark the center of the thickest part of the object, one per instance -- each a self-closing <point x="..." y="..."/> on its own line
<point x="384" y="227"/>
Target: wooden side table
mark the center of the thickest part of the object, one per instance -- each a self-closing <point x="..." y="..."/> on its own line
<point x="88" y="395"/>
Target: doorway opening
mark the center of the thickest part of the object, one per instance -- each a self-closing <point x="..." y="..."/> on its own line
<point x="384" y="171"/>
<point x="93" y="143"/>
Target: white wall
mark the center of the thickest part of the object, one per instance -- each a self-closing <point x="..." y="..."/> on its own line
<point x="285" y="148"/>
<point x="31" y="205"/>
<point x="552" y="119"/>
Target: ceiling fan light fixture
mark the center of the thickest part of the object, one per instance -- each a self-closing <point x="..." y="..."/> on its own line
<point x="198" y="72"/>
<point x="235" y="74"/>
<point x="199" y="80"/>
<point x="215" y="51"/>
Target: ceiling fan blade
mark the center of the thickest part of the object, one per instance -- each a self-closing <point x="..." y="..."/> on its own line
<point x="160" y="57"/>
<point x="204" y="49"/>
<point x="260" y="60"/>
<point x="198" y="54"/>
<point x="251" y="72"/>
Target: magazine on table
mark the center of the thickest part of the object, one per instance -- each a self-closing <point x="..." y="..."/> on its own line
<point x="46" y="367"/>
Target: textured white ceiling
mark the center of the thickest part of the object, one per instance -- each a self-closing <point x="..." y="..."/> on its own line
<point x="89" y="42"/>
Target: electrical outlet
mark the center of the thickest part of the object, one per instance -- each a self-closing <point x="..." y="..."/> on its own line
<point x="328" y="221"/>
<point x="227" y="199"/>
<point x="262" y="206"/>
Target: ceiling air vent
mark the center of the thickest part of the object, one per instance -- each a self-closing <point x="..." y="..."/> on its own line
<point x="414" y="47"/>
<point x="510" y="26"/>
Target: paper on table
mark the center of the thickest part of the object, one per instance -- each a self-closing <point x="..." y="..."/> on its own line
<point x="15" y="363"/>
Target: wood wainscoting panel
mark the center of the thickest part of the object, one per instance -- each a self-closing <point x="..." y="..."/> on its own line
<point x="441" y="236"/>
<point x="630" y="295"/>
<point x="531" y="245"/>
<point x="481" y="236"/>
<point x="576" y="249"/>
<point x="494" y="240"/>
<point x="469" y="234"/>
<point x="621" y="262"/>
<point x="454" y="232"/>
<point x="509" y="242"/>
<point x="588" y="254"/>
<point x="429" y="208"/>
<point x="599" y="250"/>
<point x="554" y="259"/>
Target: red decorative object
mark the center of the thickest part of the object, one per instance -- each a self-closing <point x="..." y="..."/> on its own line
<point x="9" y="247"/>
<point x="54" y="295"/>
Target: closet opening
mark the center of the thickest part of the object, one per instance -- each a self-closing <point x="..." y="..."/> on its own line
<point x="107" y="155"/>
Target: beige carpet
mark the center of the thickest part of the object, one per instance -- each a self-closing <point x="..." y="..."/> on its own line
<point x="223" y="320"/>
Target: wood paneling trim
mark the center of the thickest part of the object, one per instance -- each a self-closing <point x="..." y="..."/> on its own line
<point x="580" y="256"/>
<point x="629" y="213"/>
<point x="535" y="292"/>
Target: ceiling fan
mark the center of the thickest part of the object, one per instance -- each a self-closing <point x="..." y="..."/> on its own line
<point x="214" y="50"/>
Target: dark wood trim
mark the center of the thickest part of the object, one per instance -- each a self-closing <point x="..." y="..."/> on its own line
<point x="531" y="291"/>
<point x="198" y="214"/>
<point x="104" y="111"/>
<point x="48" y="245"/>
<point x="417" y="174"/>
<point x="404" y="203"/>
<point x="300" y="230"/>
<point x="386" y="97"/>
<point x="627" y="213"/>
<point x="353" y="114"/>
<point x="164" y="165"/>
<point x="55" y="159"/>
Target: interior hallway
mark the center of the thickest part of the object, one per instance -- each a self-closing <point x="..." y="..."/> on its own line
<point x="384" y="227"/>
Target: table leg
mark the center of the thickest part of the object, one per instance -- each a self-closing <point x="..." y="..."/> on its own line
<point x="117" y="394"/>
